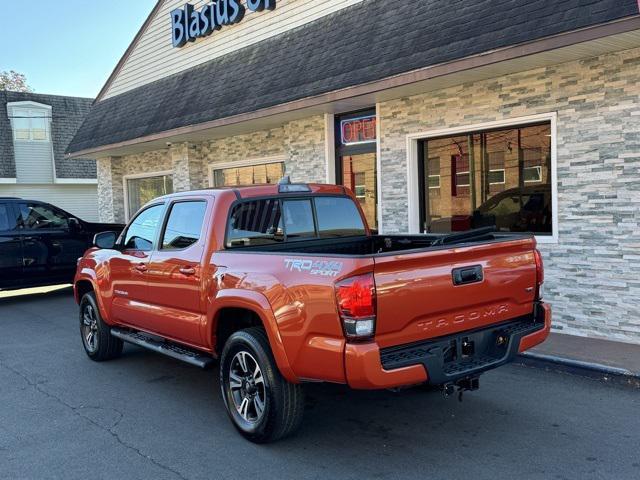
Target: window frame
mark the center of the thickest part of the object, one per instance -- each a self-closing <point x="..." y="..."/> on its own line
<point x="138" y="176"/>
<point x="154" y="242"/>
<point x="281" y="199"/>
<point x="30" y="106"/>
<point x="538" y="168"/>
<point x="415" y="153"/>
<point x="251" y="162"/>
<point x="165" y="222"/>
<point x="504" y="176"/>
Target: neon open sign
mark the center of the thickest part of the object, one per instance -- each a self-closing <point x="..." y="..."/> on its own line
<point x="189" y="24"/>
<point x="358" y="130"/>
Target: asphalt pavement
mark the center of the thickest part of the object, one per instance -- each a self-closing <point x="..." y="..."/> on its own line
<point x="147" y="416"/>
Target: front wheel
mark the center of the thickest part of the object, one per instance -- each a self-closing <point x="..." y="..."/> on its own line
<point x="97" y="340"/>
<point x="262" y="405"/>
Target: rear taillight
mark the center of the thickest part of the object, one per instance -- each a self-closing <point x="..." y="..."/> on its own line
<point x="539" y="274"/>
<point x="356" y="299"/>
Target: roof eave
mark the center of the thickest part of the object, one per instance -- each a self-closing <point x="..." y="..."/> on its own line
<point x="484" y="59"/>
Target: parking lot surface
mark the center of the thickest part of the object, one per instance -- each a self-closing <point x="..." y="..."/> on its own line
<point x="147" y="416"/>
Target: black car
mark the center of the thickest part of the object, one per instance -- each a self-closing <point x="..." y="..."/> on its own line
<point x="40" y="243"/>
<point x="524" y="209"/>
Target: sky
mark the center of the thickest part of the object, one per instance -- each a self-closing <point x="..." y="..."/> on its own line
<point x="68" y="47"/>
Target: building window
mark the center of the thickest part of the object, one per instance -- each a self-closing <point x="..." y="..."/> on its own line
<point x="141" y="190"/>
<point x="533" y="174"/>
<point x="433" y="176"/>
<point x="30" y="124"/>
<point x="242" y="175"/>
<point x="356" y="160"/>
<point x="498" y="178"/>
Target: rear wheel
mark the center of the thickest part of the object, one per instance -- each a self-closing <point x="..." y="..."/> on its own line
<point x="97" y="340"/>
<point x="262" y="405"/>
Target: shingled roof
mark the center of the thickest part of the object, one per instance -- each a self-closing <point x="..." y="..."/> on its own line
<point x="68" y="113"/>
<point x="366" y="42"/>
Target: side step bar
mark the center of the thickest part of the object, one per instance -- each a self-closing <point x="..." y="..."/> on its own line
<point x="164" y="347"/>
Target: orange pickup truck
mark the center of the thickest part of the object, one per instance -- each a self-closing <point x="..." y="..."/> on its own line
<point x="285" y="284"/>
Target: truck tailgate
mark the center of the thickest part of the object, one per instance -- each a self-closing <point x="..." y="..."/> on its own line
<point x="443" y="291"/>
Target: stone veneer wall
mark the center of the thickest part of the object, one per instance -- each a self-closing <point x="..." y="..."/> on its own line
<point x="593" y="273"/>
<point x="300" y="143"/>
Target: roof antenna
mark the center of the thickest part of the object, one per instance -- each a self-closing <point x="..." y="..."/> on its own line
<point x="286" y="180"/>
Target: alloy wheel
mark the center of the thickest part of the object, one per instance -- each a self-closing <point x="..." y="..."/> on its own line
<point x="247" y="386"/>
<point x="90" y="328"/>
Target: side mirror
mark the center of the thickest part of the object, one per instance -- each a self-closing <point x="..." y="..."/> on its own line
<point x="105" y="240"/>
<point x="74" y="224"/>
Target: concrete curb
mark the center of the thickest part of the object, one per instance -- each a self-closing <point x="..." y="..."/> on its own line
<point x="597" y="371"/>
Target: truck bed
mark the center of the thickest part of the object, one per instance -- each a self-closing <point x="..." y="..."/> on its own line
<point x="379" y="245"/>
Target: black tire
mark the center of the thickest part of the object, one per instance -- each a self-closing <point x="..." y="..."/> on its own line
<point x="282" y="402"/>
<point x="102" y="346"/>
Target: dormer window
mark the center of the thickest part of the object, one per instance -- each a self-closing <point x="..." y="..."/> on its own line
<point x="30" y="121"/>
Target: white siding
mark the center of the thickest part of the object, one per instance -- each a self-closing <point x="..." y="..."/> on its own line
<point x="154" y="56"/>
<point x="80" y="200"/>
<point x="34" y="161"/>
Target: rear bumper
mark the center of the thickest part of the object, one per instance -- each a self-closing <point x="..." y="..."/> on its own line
<point x="439" y="360"/>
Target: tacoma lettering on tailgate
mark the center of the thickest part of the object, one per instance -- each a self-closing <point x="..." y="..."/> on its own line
<point x="460" y="319"/>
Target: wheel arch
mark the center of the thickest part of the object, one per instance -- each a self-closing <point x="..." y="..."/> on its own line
<point x="84" y="284"/>
<point x="247" y="308"/>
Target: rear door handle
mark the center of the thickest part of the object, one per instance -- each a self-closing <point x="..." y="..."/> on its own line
<point x="141" y="267"/>
<point x="188" y="271"/>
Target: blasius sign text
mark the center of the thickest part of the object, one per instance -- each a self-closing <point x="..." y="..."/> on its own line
<point x="188" y="24"/>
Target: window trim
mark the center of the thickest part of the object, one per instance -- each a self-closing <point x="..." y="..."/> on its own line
<point x="30" y="105"/>
<point x="413" y="177"/>
<point x="250" y="162"/>
<point x="136" y="176"/>
<point x="464" y="172"/>
<point x="165" y="222"/>
<point x="539" y="169"/>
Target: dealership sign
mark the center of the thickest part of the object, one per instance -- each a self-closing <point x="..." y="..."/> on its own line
<point x="358" y="130"/>
<point x="188" y="24"/>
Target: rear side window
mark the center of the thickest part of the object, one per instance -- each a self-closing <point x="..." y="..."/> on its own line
<point x="338" y="217"/>
<point x="184" y="225"/>
<point x="142" y="231"/>
<point x="255" y="223"/>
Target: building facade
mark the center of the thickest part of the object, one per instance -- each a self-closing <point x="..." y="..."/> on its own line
<point x="35" y="131"/>
<point x="439" y="116"/>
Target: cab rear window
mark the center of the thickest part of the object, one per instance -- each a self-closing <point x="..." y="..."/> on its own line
<point x="276" y="220"/>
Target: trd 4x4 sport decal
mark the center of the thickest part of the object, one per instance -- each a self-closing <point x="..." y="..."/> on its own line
<point x="314" y="267"/>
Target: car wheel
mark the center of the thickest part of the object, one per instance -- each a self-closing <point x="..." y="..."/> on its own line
<point x="262" y="405"/>
<point x="97" y="340"/>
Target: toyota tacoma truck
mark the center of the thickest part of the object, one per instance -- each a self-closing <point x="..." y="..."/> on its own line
<point x="285" y="284"/>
